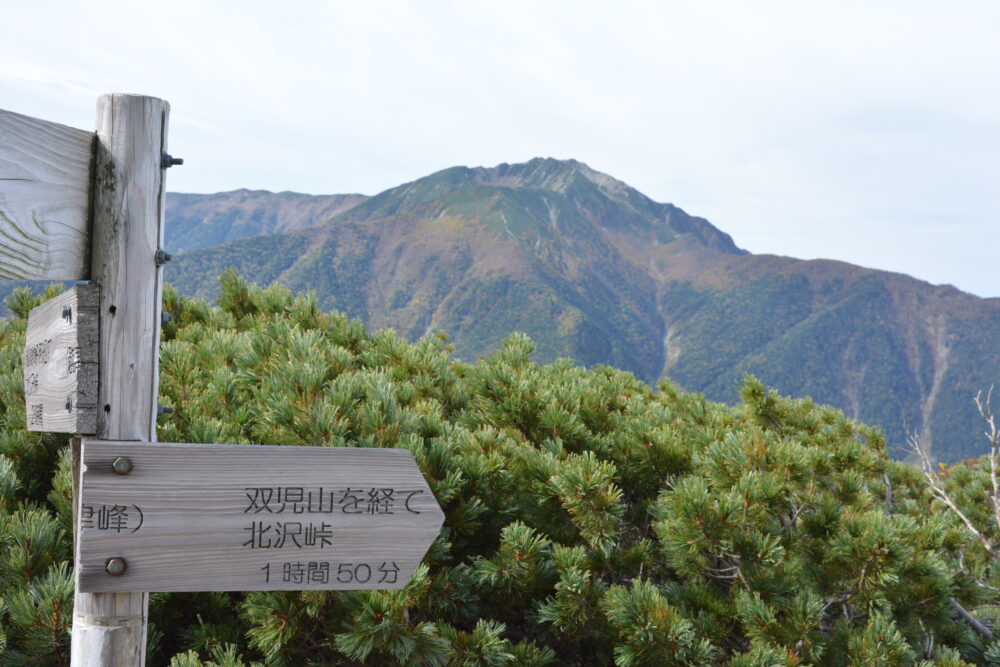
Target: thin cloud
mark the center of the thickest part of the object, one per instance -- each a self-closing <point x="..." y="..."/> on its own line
<point x="793" y="126"/>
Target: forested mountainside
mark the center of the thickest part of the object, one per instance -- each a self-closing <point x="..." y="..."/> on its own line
<point x="593" y="270"/>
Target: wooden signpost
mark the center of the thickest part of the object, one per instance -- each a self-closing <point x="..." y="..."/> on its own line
<point x="78" y="205"/>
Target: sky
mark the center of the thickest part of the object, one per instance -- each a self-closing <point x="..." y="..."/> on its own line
<point x="867" y="132"/>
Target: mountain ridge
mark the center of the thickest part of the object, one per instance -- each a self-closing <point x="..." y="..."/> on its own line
<point x="205" y="220"/>
<point x="596" y="271"/>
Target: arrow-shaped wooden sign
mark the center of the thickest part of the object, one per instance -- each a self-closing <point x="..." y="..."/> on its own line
<point x="179" y="517"/>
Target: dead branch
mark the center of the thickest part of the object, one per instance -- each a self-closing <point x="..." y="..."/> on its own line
<point x="971" y="620"/>
<point x="936" y="487"/>
<point x="985" y="408"/>
<point x="888" y="492"/>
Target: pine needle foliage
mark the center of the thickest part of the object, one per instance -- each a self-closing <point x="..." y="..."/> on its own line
<point x="590" y="519"/>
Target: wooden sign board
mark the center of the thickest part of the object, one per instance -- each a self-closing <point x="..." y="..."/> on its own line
<point x="44" y="199"/>
<point x="244" y="517"/>
<point x="60" y="363"/>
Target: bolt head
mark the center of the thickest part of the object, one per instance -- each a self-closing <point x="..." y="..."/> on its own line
<point x="116" y="567"/>
<point x="162" y="257"/>
<point x="167" y="161"/>
<point x="122" y="465"/>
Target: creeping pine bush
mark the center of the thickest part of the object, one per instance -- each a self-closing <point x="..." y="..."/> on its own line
<point x="590" y="519"/>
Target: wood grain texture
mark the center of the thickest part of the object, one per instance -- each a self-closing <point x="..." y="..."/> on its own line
<point x="128" y="217"/>
<point x="194" y="517"/>
<point x="60" y="363"/>
<point x="110" y="629"/>
<point x="44" y="199"/>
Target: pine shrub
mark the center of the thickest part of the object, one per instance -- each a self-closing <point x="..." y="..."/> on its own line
<point x="590" y="519"/>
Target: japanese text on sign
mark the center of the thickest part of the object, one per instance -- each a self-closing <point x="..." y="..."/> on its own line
<point x="115" y="518"/>
<point x="267" y="535"/>
<point x="319" y="572"/>
<point x="299" y="500"/>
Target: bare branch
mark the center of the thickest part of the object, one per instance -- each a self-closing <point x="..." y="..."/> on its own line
<point x="937" y="489"/>
<point x="936" y="486"/>
<point x="985" y="408"/>
<point x="971" y="620"/>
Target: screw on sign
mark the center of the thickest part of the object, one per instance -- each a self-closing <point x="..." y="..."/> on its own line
<point x="116" y="567"/>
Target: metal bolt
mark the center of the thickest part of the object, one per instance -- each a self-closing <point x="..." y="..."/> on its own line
<point x="122" y="465"/>
<point x="168" y="161"/>
<point x="162" y="409"/>
<point x="67" y="313"/>
<point x="116" y="567"/>
<point x="69" y="404"/>
<point x="162" y="257"/>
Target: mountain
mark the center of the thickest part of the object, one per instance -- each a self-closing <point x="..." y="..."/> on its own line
<point x="594" y="270"/>
<point x="546" y="247"/>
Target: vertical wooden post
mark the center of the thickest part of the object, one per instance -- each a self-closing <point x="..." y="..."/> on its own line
<point x="109" y="629"/>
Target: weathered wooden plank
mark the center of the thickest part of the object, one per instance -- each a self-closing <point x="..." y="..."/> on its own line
<point x="60" y="363"/>
<point x="242" y="517"/>
<point x="44" y="199"/>
<point x="110" y="629"/>
<point x="128" y="221"/>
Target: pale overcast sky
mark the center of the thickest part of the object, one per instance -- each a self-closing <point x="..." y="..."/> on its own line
<point x="862" y="131"/>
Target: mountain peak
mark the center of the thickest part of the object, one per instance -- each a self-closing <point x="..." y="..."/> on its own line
<point x="537" y="174"/>
<point x="559" y="189"/>
<point x="545" y="174"/>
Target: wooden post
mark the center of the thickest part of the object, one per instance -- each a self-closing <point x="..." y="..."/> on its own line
<point x="109" y="629"/>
